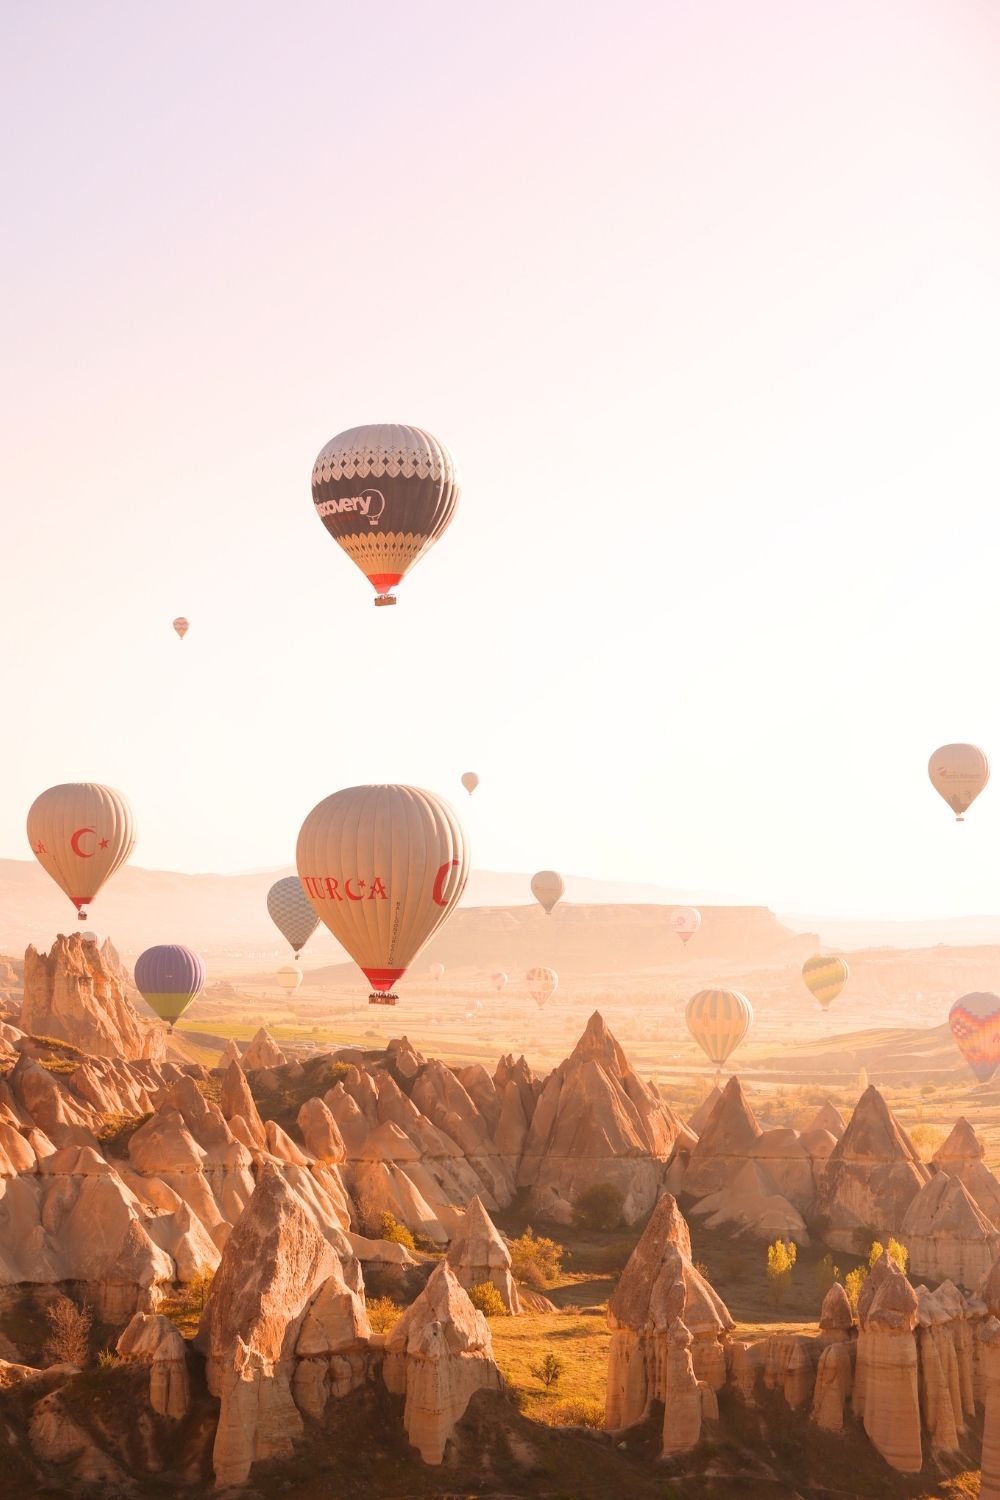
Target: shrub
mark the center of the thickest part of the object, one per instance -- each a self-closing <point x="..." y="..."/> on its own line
<point x="549" y="1371"/>
<point x="488" y="1300"/>
<point x="853" y="1282"/>
<point x="780" y="1260"/>
<point x="576" y="1411"/>
<point x="895" y="1251"/>
<point x="107" y="1359"/>
<point x="599" y="1207"/>
<point x="535" y="1260"/>
<point x="391" y="1229"/>
<point x="69" y="1332"/>
<point x="826" y="1274"/>
<point x="383" y="1314"/>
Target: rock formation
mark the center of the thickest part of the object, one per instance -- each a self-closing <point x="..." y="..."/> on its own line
<point x="870" y="1178"/>
<point x="886" y="1391"/>
<point x="961" y="1156"/>
<point x="947" y="1235"/>
<point x="724" y="1144"/>
<point x="989" y="1353"/>
<point x="154" y="1340"/>
<point x="263" y="1052"/>
<point x="73" y="994"/>
<point x="681" y="1396"/>
<point x="478" y="1254"/>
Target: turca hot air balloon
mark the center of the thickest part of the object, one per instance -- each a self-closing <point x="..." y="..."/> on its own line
<point x="383" y="866"/>
<point x="685" y="921"/>
<point x="825" y="975"/>
<point x="81" y="833"/>
<point x="470" y="781"/>
<point x="498" y="980"/>
<point x="975" y="1025"/>
<point x="547" y="887"/>
<point x="719" y="1020"/>
<point x="542" y="985"/>
<point x="169" y="978"/>
<point x="385" y="493"/>
<point x="182" y="626"/>
<point x="959" y="773"/>
<point x="290" y="911"/>
<point x="289" y="977"/>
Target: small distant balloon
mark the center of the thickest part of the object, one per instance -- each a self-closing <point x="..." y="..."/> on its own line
<point x="289" y="909"/>
<point x="975" y="1024"/>
<point x="718" y="1020"/>
<point x="548" y="888"/>
<point x="289" y="977"/>
<point x="542" y="985"/>
<point x="685" y="921"/>
<point x="169" y="977"/>
<point x="958" y="773"/>
<point x="825" y="975"/>
<point x="498" y="980"/>
<point x="470" y="781"/>
<point x="436" y="972"/>
<point x="182" y="626"/>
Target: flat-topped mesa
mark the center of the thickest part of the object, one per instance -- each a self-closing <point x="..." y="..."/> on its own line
<point x="479" y="1254"/>
<point x="660" y="1283"/>
<point x="947" y="1235"/>
<point x="961" y="1156"/>
<point x="725" y="1142"/>
<point x="438" y="1355"/>
<point x="596" y="1122"/>
<point x="870" y="1178"/>
<point x="74" y="993"/>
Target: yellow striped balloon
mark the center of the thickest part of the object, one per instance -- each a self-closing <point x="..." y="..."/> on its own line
<point x="719" y="1020"/>
<point x="825" y="974"/>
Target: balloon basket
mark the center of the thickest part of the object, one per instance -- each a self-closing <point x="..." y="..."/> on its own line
<point x="381" y="600"/>
<point x="378" y="999"/>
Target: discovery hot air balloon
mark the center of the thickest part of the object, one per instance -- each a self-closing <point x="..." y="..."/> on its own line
<point x="290" y="911"/>
<point x="169" y="977"/>
<point x="718" y="1020"/>
<point x="547" y="887"/>
<point x="289" y="977"/>
<point x="470" y="781"/>
<point x="81" y="833"/>
<point x="383" y="867"/>
<point x="825" y="975"/>
<point x="975" y="1025"/>
<point x="182" y="626"/>
<point x="959" y="773"/>
<point x="685" y="921"/>
<point x="498" y="980"/>
<point x="436" y="972"/>
<point x="542" y="985"/>
<point x="385" y="493"/>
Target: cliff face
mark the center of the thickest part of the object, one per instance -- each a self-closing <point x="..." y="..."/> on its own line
<point x="76" y="993"/>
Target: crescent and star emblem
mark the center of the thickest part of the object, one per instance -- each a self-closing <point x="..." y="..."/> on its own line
<point x="76" y="841"/>
<point x="437" y="894"/>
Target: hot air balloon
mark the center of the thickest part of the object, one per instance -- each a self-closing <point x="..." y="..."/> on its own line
<point x="91" y="937"/>
<point x="436" y="972"/>
<point x="975" y="1025"/>
<point x="959" y="773"/>
<point x="168" y="978"/>
<point x="80" y="833"/>
<point x="383" y="866"/>
<point x="547" y="887"/>
<point x="685" y="921"/>
<point x="182" y="626"/>
<point x="385" y="493"/>
<point x="290" y="911"/>
<point x="289" y="977"/>
<point x="470" y="781"/>
<point x="542" y="985"/>
<point x="498" y="980"/>
<point x="825" y="974"/>
<point x="718" y="1020"/>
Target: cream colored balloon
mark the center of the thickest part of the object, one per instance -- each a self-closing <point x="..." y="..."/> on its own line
<point x="542" y="984"/>
<point x="959" y="773"/>
<point x="470" y="781"/>
<point x="81" y="833"/>
<point x="289" y="977"/>
<point x="547" y="887"/>
<point x="719" y="1020"/>
<point x="383" y="867"/>
<point x="436" y="972"/>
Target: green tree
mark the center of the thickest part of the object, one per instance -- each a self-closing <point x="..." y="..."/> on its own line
<point x="488" y="1300"/>
<point x="549" y="1371"/>
<point x="781" y="1258"/>
<point x="853" y="1282"/>
<point x="391" y="1229"/>
<point x="534" y="1259"/>
<point x="599" y="1207"/>
<point x="896" y="1252"/>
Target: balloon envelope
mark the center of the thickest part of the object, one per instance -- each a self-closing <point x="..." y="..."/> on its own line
<point x="959" y="773"/>
<point x="436" y="971"/>
<point x="547" y="887"/>
<point x="289" y="909"/>
<point x="169" y="977"/>
<point x="825" y="975"/>
<point x="181" y="626"/>
<point x="718" y="1020"/>
<point x="383" y="867"/>
<point x="385" y="493"/>
<point x="685" y="921"/>
<point x="498" y="980"/>
<point x="80" y="833"/>
<point x="975" y="1024"/>
<point x="289" y="977"/>
<point x="542" y="984"/>
<point x="470" y="781"/>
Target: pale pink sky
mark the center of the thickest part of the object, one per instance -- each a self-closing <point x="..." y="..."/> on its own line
<point x="704" y="298"/>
